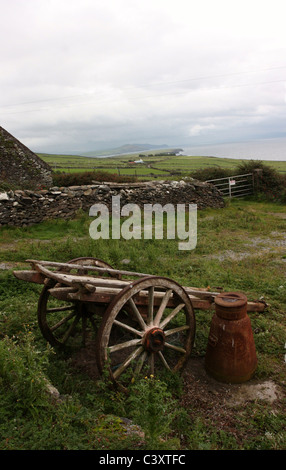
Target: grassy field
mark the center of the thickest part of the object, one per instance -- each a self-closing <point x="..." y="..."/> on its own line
<point x="240" y="247"/>
<point x="152" y="164"/>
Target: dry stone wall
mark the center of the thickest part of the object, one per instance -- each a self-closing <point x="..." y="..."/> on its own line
<point x="25" y="207"/>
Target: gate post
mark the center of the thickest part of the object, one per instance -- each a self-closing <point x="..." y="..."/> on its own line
<point x="256" y="178"/>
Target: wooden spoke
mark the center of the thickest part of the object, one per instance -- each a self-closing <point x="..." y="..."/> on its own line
<point x="171" y="315"/>
<point x="162" y="306"/>
<point x="176" y="330"/>
<point x="152" y="363"/>
<point x="140" y="363"/>
<point x="71" y="329"/>
<point x="126" y="344"/>
<point x="127" y="361"/>
<point x="59" y="309"/>
<point x="175" y="348"/>
<point x="137" y="314"/>
<point x="62" y="321"/>
<point x="128" y="328"/>
<point x="150" y="305"/>
<point x="164" y="360"/>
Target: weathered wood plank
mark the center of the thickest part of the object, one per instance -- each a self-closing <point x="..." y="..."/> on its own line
<point x="30" y="276"/>
<point x="55" y="264"/>
<point x="102" y="290"/>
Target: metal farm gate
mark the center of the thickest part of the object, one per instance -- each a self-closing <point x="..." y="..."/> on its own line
<point x="235" y="186"/>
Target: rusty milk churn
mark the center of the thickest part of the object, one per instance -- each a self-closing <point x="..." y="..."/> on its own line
<point x="231" y="355"/>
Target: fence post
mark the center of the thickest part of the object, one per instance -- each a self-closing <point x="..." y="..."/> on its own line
<point x="257" y="177"/>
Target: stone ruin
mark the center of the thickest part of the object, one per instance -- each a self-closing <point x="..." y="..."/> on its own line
<point x="19" y="166"/>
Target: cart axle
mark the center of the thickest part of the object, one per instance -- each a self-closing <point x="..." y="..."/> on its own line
<point x="154" y="340"/>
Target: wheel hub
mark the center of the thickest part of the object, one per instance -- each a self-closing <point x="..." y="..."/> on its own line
<point x="154" y="340"/>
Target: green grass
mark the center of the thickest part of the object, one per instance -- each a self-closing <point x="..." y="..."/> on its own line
<point x="181" y="163"/>
<point x="240" y="247"/>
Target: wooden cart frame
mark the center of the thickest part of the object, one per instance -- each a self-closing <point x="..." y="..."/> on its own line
<point x="142" y="324"/>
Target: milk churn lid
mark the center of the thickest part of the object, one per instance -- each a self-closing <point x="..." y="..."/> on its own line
<point x="231" y="299"/>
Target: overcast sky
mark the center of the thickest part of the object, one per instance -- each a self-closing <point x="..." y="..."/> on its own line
<point x="80" y="75"/>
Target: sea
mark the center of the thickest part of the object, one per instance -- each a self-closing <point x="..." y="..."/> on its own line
<point x="262" y="149"/>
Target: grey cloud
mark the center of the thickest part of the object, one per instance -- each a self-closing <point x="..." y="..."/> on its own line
<point x="86" y="74"/>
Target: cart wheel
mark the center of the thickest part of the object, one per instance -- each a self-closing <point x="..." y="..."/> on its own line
<point x="62" y="321"/>
<point x="162" y="339"/>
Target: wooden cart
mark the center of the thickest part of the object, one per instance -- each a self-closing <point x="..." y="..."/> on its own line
<point x="141" y="322"/>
